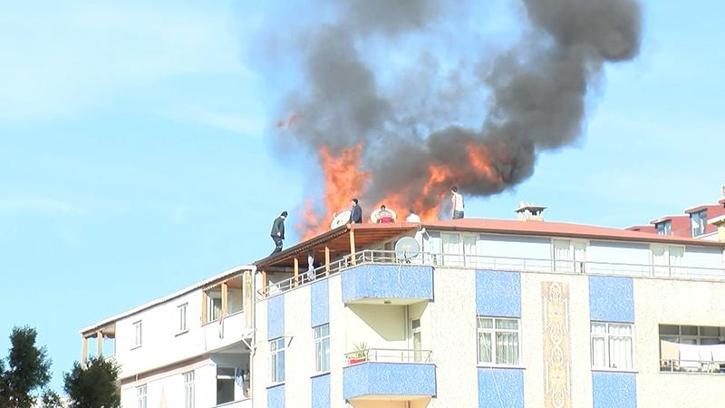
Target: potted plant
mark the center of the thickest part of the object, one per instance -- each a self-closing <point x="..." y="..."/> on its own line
<point x="359" y="355"/>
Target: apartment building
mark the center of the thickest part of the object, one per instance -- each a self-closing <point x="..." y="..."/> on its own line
<point x="188" y="349"/>
<point x="464" y="313"/>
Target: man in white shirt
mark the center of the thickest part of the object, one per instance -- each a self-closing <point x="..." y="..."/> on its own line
<point x="457" y="201"/>
<point x="412" y="217"/>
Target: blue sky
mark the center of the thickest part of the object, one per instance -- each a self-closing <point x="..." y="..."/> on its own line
<point x="136" y="154"/>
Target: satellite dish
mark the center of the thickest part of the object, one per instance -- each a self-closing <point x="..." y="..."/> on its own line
<point x="340" y="219"/>
<point x="407" y="248"/>
<point x="379" y="214"/>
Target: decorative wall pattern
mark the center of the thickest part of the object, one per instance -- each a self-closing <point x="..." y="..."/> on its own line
<point x="557" y="345"/>
<point x="387" y="282"/>
<point x="275" y="317"/>
<point x="611" y="299"/>
<point x="498" y="293"/>
<point x="320" y="302"/>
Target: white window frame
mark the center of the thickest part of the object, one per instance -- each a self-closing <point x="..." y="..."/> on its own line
<point x="138" y="334"/>
<point x="607" y="336"/>
<point x="189" y="389"/>
<point x="142" y="396"/>
<point x="668" y="267"/>
<point x="183" y="318"/>
<point x="276" y="350"/>
<point x="320" y="340"/>
<point x="492" y="331"/>
<point x="573" y="263"/>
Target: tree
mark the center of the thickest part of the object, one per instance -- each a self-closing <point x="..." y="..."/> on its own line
<point x="51" y="400"/>
<point x="28" y="370"/>
<point x="94" y="386"/>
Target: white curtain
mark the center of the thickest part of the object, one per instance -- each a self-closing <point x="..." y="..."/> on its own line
<point x="659" y="260"/>
<point x="452" y="249"/>
<point x="599" y="345"/>
<point x="677" y="254"/>
<point x="620" y="346"/>
<point x="580" y="256"/>
<point x="563" y="256"/>
<point x="469" y="250"/>
<point x="507" y="348"/>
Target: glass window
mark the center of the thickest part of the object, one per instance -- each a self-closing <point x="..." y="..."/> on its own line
<point x="699" y="221"/>
<point x="664" y="228"/>
<point x="612" y="345"/>
<point x="141" y="396"/>
<point x="452" y="253"/>
<point x="138" y="334"/>
<point x="214" y="304"/>
<point x="498" y="341"/>
<point x="322" y="347"/>
<point x="182" y="317"/>
<point x="189" y="389"/>
<point x="276" y="360"/>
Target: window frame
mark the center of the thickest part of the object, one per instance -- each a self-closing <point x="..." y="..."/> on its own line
<point x="492" y="331"/>
<point x="319" y="340"/>
<point x="607" y="352"/>
<point x="701" y="218"/>
<point x="189" y="389"/>
<point x="138" y="334"/>
<point x="182" y="311"/>
<point x="572" y="264"/>
<point x="277" y="348"/>
<point x="142" y="392"/>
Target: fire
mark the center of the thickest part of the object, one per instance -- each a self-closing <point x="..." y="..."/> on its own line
<point x="344" y="179"/>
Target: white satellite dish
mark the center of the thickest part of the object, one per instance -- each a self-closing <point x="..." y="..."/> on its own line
<point x="407" y="248"/>
<point x="340" y="219"/>
<point x="377" y="214"/>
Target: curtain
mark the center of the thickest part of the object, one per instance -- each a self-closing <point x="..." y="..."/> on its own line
<point x="580" y="256"/>
<point x="599" y="345"/>
<point x="484" y="347"/>
<point x="563" y="256"/>
<point x="469" y="250"/>
<point x="620" y="346"/>
<point x="507" y="348"/>
<point x="452" y="249"/>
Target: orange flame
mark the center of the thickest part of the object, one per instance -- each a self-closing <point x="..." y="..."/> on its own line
<point x="345" y="179"/>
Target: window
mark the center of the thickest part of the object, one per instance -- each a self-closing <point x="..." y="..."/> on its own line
<point x="226" y="383"/>
<point x="322" y="347"/>
<point x="667" y="259"/>
<point x="569" y="255"/>
<point x="138" y="334"/>
<point x="189" y="389"/>
<point x="182" y="317"/>
<point x="498" y="341"/>
<point x="692" y="348"/>
<point x="698" y="221"/>
<point x="214" y="304"/>
<point x="276" y="360"/>
<point x="452" y="254"/>
<point x="417" y="343"/>
<point x="141" y="396"/>
<point x="612" y="346"/>
<point x="664" y="228"/>
<point x="469" y="250"/>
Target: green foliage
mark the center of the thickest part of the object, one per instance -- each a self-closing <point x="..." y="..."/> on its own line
<point x="51" y="400"/>
<point x="94" y="386"/>
<point x="28" y="370"/>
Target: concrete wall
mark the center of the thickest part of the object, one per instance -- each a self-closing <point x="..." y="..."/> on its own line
<point x="167" y="389"/>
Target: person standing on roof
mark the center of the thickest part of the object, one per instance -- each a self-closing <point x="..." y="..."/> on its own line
<point x="412" y="217"/>
<point x="457" y="201"/>
<point x="355" y="212"/>
<point x="278" y="232"/>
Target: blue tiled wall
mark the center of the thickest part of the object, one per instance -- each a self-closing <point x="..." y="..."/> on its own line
<point x="321" y="391"/>
<point x="500" y="388"/>
<point x="389" y="379"/>
<point x="275" y="396"/>
<point x="498" y="293"/>
<point x="275" y="317"/>
<point x="614" y="390"/>
<point x="611" y="299"/>
<point x="387" y="282"/>
<point x="320" y="302"/>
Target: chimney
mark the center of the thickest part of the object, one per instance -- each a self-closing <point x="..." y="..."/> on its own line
<point x="530" y="212"/>
<point x="719" y="222"/>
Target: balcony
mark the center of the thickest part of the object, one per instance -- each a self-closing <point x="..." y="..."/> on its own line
<point x="401" y="375"/>
<point x="372" y="284"/>
<point x="225" y="332"/>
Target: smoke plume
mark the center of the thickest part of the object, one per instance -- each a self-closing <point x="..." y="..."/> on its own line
<point x="413" y="148"/>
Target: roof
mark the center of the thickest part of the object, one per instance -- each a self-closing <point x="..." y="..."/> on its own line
<point x="700" y="208"/>
<point x="338" y="242"/>
<point x="182" y="292"/>
<point x="669" y="218"/>
<point x="561" y="229"/>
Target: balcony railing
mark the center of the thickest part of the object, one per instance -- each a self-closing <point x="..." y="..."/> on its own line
<point x="501" y="263"/>
<point x="382" y="355"/>
<point x="693" y="366"/>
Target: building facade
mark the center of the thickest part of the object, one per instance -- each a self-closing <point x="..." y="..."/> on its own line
<point x="466" y="313"/>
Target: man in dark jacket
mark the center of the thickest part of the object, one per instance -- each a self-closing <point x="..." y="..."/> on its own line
<point x="355" y="213"/>
<point x="278" y="232"/>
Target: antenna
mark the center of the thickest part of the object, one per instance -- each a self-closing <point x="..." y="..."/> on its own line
<point x="407" y="248"/>
<point x="340" y="219"/>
